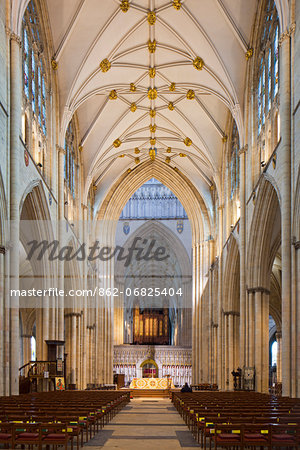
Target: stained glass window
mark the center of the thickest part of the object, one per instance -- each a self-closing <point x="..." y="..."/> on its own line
<point x="69" y="164"/>
<point x="234" y="161"/>
<point x="34" y="74"/>
<point x="268" y="72"/>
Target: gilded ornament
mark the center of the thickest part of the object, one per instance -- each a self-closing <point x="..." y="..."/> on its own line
<point x="152" y="154"/>
<point x="105" y="65"/>
<point x="169" y="150"/>
<point x="274" y="161"/>
<point x="128" y="170"/>
<point x="133" y="107"/>
<point x="176" y="169"/>
<point x="137" y="160"/>
<point x="152" y="46"/>
<point x="249" y="53"/>
<point x="124" y="5"/>
<point x="152" y="94"/>
<point x="137" y="151"/>
<point x="94" y="187"/>
<point x="182" y="155"/>
<point x="188" y="142"/>
<point x="54" y="64"/>
<point x="132" y="87"/>
<point x="113" y="95"/>
<point x="225" y="138"/>
<point x="121" y="156"/>
<point x="171" y="106"/>
<point x="151" y="17"/>
<point x="152" y="72"/>
<point x="80" y="148"/>
<point x="172" y="87"/>
<point x="177" y="4"/>
<point x="168" y="159"/>
<point x="117" y="143"/>
<point x="190" y="95"/>
<point x="152" y="113"/>
<point x="152" y="141"/>
<point x="152" y="128"/>
<point x="198" y="63"/>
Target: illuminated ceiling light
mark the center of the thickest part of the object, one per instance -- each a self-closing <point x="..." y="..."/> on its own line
<point x="152" y="46"/>
<point x="198" y="63"/>
<point x="152" y="94"/>
<point x="105" y="65"/>
<point x="190" y="95"/>
<point x="113" y="95"/>
<point x="117" y="143"/>
<point x="151" y="17"/>
<point x="188" y="142"/>
<point x="152" y="72"/>
<point x="124" y="5"/>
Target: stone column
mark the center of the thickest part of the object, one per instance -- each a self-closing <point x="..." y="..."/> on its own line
<point x="242" y="248"/>
<point x="297" y="299"/>
<point x="262" y="339"/>
<point x="285" y="169"/>
<point x="220" y="294"/>
<point x="15" y="131"/>
<point x="61" y="231"/>
<point x="251" y="327"/>
<point x="26" y="338"/>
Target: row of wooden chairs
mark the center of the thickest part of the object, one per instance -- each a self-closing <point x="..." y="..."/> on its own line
<point x="232" y="419"/>
<point x="57" y="416"/>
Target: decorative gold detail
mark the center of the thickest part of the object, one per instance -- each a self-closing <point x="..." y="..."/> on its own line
<point x="254" y="197"/>
<point x="54" y="64"/>
<point x="133" y="107"/>
<point x="80" y="148"/>
<point x="117" y="143"/>
<point x="152" y="113"/>
<point x="152" y="128"/>
<point x="152" y="72"/>
<point x="188" y="142"/>
<point x="137" y="151"/>
<point x="249" y="53"/>
<point x="168" y="159"/>
<point x="128" y="170"/>
<point x="176" y="169"/>
<point x="137" y="160"/>
<point x="132" y="87"/>
<point x="121" y="156"/>
<point x="151" y="17"/>
<point x="152" y="154"/>
<point x="94" y="187"/>
<point x="212" y="187"/>
<point x="198" y="63"/>
<point x="152" y="94"/>
<point x="113" y="95"/>
<point x="169" y="150"/>
<point x="171" y="106"/>
<point x="152" y="46"/>
<point x="225" y="138"/>
<point x="105" y="65"/>
<point x="152" y="141"/>
<point x="182" y="155"/>
<point x="274" y="161"/>
<point x="190" y="95"/>
<point x="177" y="4"/>
<point x="172" y="87"/>
<point x="124" y="5"/>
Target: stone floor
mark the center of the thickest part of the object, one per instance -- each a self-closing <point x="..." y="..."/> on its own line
<point x="145" y="424"/>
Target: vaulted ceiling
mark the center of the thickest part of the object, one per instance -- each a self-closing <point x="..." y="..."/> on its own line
<point x="158" y="75"/>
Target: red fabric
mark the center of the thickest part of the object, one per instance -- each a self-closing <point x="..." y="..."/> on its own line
<point x="282" y="437"/>
<point x="230" y="436"/>
<point x="28" y="435"/>
<point x="58" y="436"/>
<point x="5" y="436"/>
<point x="255" y="436"/>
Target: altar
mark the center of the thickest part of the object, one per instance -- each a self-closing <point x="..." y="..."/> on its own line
<point x="151" y="383"/>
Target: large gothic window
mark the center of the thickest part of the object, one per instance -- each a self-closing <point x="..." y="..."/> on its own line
<point x="234" y="162"/>
<point x="70" y="158"/>
<point x="268" y="74"/>
<point x="34" y="74"/>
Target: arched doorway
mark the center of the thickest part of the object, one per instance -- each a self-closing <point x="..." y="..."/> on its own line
<point x="149" y="369"/>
